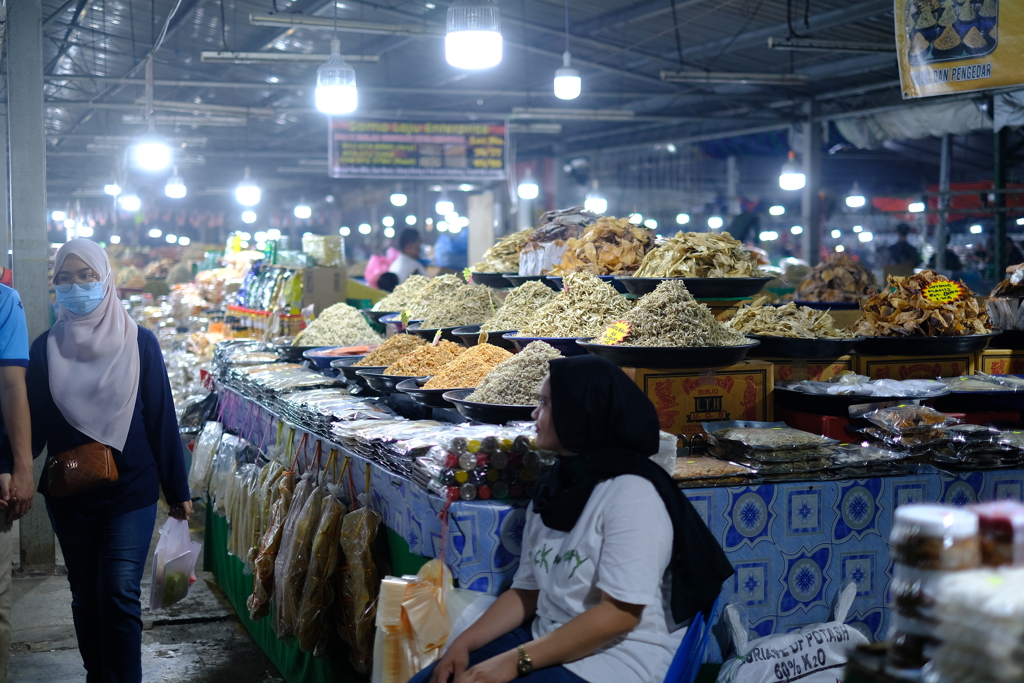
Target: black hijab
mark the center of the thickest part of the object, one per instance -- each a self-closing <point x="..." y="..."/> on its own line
<point x="612" y="428"/>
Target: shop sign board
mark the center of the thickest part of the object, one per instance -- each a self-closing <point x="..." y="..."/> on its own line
<point x="952" y="46"/>
<point x="364" y="148"/>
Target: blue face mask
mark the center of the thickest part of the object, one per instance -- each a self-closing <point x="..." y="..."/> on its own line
<point x="81" y="299"/>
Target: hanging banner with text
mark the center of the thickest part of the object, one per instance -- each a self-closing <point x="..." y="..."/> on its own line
<point x="409" y="150"/>
<point x="950" y="46"/>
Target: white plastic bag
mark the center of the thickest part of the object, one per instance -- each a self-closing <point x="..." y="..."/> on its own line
<point x="814" y="654"/>
<point x="174" y="564"/>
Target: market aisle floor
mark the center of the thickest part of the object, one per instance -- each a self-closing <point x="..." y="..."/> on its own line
<point x="197" y="641"/>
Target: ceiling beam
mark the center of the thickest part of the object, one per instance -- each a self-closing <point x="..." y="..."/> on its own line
<point x="628" y="15"/>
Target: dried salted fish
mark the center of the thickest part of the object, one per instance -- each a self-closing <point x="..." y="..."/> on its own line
<point x="798" y="322"/>
<point x="611" y="246"/>
<point x="772" y="437"/>
<point x="425" y="360"/>
<point x="466" y="305"/>
<point x="433" y="295"/>
<point x="1012" y="286"/>
<point x="670" y="316"/>
<point x="391" y="350"/>
<point x="839" y="279"/>
<point x="585" y="307"/>
<point x="469" y="369"/>
<point x="699" y="254"/>
<point x="338" y="325"/>
<point x="503" y="257"/>
<point x="903" y="310"/>
<point x="520" y="305"/>
<point x="405" y="294"/>
<point x="517" y="380"/>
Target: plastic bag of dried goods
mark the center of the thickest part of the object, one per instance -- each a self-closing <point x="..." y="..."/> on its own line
<point x="174" y="563"/>
<point x="264" y="564"/>
<point x="202" y="457"/>
<point x="360" y="584"/>
<point x="303" y="490"/>
<point x="318" y="593"/>
<point x="292" y="582"/>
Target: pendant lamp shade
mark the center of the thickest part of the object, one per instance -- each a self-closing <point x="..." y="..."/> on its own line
<point x="473" y="40"/>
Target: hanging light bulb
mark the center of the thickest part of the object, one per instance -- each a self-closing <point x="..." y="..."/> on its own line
<point x="175" y="187"/>
<point x="568" y="83"/>
<point x="59" y="216"/>
<point x="248" y="217"/>
<point x="399" y="198"/>
<point x="248" y="193"/>
<point x="389" y="232"/>
<point x="345" y="231"/>
<point x="171" y="239"/>
<point x="388" y="221"/>
<point x="113" y="189"/>
<point x="473" y="40"/>
<point x="715" y="222"/>
<point x="364" y="229"/>
<point x="302" y="210"/>
<point x="410" y="220"/>
<point x="184" y="241"/>
<point x="855" y="199"/>
<point x="444" y="206"/>
<point x="528" y="188"/>
<point x="115" y="239"/>
<point x="792" y="176"/>
<point x="156" y="233"/>
<point x="336" y="84"/>
<point x="777" y="210"/>
<point x="130" y="202"/>
<point x="151" y="152"/>
<point x="682" y="218"/>
<point x="594" y="202"/>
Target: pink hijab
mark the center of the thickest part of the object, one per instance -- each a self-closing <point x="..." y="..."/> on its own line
<point x="94" y="359"/>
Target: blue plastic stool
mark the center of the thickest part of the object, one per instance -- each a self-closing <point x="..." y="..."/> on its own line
<point x="690" y="655"/>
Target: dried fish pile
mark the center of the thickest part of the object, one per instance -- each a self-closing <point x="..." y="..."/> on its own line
<point x="584" y="308"/>
<point x="903" y="310"/>
<point x="405" y="294"/>
<point x="469" y="369"/>
<point x="517" y="381"/>
<point x="435" y="294"/>
<point x="561" y="225"/>
<point x="839" y="279"/>
<point x="466" y="305"/>
<point x="798" y="322"/>
<point x="391" y="350"/>
<point x="1013" y="286"/>
<point x="426" y="360"/>
<point x="670" y="316"/>
<point x="503" y="257"/>
<point x="520" y="305"/>
<point x="1004" y="303"/>
<point x="699" y="254"/>
<point x="611" y="246"/>
<point x="338" y="325"/>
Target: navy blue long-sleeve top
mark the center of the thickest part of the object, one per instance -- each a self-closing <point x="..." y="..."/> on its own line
<point x="152" y="455"/>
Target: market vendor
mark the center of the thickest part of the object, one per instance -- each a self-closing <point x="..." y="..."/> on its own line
<point x="615" y="561"/>
<point x="407" y="263"/>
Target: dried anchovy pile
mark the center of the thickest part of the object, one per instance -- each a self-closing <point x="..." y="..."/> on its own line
<point x="902" y="310"/>
<point x="517" y="381"/>
<point x="839" y="279"/>
<point x="585" y="308"/>
<point x="503" y="257"/>
<point x="469" y="369"/>
<point x="611" y="246"/>
<point x="435" y="294"/>
<point x="338" y="325"/>
<point x="426" y="360"/>
<point x="391" y="350"/>
<point x="405" y="294"/>
<point x="467" y="305"/>
<point x="798" y="322"/>
<point x="699" y="254"/>
<point x="520" y="305"/>
<point x="670" y="316"/>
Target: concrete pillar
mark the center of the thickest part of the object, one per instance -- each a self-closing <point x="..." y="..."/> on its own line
<point x="811" y="205"/>
<point x="942" y="231"/>
<point x="481" y="225"/>
<point x="28" y="216"/>
<point x="999" y="254"/>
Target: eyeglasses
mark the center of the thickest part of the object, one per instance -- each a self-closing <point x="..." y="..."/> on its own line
<point x="65" y="287"/>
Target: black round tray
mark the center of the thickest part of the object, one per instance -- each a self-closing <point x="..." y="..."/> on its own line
<point x="378" y="381"/>
<point x="497" y="280"/>
<point x="394" y="321"/>
<point x="670" y="357"/>
<point x="517" y="280"/>
<point x="470" y="336"/>
<point x="347" y="366"/>
<point x="293" y="354"/>
<point x="700" y="287"/>
<point x="375" y="316"/>
<point x="610" y="279"/>
<point x="487" y="412"/>
<point x="428" y="334"/>
<point x="827" y="404"/>
<point x="788" y="347"/>
<point x="922" y="346"/>
<point x="829" y="305"/>
<point x="1009" y="339"/>
<point x="564" y="345"/>
<point x="429" y="398"/>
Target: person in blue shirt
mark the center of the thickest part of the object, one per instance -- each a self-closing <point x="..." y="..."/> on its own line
<point x="96" y="376"/>
<point x="17" y="486"/>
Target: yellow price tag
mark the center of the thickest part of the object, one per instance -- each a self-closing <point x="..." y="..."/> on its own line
<point x="467" y="274"/>
<point x="944" y="291"/>
<point x="615" y="333"/>
<point x="404" y="317"/>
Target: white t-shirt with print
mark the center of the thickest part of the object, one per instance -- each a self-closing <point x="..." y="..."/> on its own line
<point x="621" y="544"/>
<point x="403" y="266"/>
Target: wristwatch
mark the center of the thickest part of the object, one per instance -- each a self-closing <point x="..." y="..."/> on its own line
<point x="525" y="666"/>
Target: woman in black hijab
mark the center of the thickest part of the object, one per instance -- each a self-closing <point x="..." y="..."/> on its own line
<point x="614" y="557"/>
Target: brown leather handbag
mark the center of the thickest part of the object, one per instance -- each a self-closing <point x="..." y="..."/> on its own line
<point x="81" y="469"/>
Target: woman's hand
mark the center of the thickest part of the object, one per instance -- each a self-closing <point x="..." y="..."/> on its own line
<point x="500" y="669"/>
<point x="453" y="664"/>
<point x="182" y="511"/>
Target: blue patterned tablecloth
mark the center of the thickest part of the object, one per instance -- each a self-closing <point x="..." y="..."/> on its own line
<point x="793" y="544"/>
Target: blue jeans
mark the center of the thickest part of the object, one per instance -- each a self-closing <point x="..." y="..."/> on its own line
<point x="510" y="641"/>
<point x="105" y="561"/>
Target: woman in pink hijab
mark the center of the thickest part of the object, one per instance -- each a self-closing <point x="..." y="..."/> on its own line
<point x="96" y="376"/>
